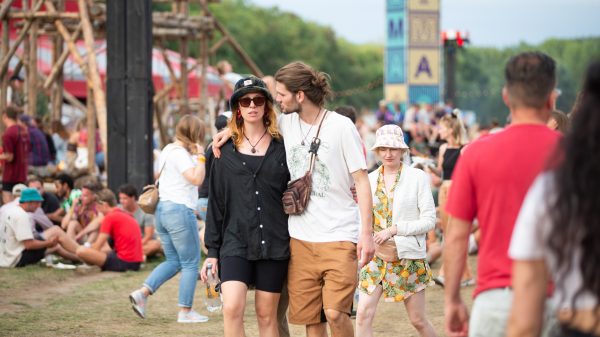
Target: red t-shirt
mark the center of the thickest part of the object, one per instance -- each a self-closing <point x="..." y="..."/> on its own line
<point x="15" y="140"/>
<point x="489" y="183"/>
<point x="126" y="234"/>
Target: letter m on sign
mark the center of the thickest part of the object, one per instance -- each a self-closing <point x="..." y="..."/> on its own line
<point x="396" y="28"/>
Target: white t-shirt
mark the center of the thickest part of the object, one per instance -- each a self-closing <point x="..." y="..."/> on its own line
<point x="172" y="184"/>
<point x="332" y="213"/>
<point x="15" y="227"/>
<point x="529" y="242"/>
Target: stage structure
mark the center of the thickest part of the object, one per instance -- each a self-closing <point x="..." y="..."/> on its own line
<point x="412" y="55"/>
<point x="61" y="46"/>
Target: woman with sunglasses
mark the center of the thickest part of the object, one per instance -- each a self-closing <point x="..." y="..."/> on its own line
<point x="246" y="229"/>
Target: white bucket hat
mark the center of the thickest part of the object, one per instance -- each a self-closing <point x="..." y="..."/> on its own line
<point x="389" y="136"/>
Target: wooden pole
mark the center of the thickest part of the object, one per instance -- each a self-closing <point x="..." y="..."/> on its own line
<point x="5" y="8"/>
<point x="57" y="89"/>
<point x="204" y="82"/>
<point x="22" y="34"/>
<point x="4" y="79"/>
<point x="32" y="78"/>
<point x="172" y="75"/>
<point x="67" y="95"/>
<point x="233" y="42"/>
<point x="91" y="131"/>
<point x="98" y="90"/>
<point x="183" y="69"/>
<point x="62" y="30"/>
<point x="57" y="68"/>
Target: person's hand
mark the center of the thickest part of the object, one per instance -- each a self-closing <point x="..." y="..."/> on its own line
<point x="203" y="271"/>
<point x="220" y="139"/>
<point x="382" y="236"/>
<point x="365" y="249"/>
<point x="456" y="319"/>
<point x="79" y="236"/>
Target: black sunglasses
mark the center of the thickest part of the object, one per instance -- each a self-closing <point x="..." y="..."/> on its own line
<point x="258" y="101"/>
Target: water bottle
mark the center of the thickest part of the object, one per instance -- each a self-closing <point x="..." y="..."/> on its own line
<point x="213" y="298"/>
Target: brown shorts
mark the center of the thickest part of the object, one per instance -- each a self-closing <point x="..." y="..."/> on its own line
<point x="320" y="275"/>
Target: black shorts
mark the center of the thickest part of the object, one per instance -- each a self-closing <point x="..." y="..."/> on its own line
<point x="114" y="263"/>
<point x="7" y="187"/>
<point x="265" y="275"/>
<point x="31" y="256"/>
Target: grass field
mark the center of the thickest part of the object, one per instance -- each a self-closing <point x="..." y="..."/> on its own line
<point x="40" y="301"/>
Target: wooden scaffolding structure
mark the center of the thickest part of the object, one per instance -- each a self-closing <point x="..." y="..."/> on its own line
<point x="38" y="18"/>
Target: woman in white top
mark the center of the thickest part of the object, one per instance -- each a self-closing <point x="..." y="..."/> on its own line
<point x="557" y="232"/>
<point x="183" y="171"/>
<point x="403" y="212"/>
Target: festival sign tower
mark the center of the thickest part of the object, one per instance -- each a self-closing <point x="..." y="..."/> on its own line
<point x="412" y="57"/>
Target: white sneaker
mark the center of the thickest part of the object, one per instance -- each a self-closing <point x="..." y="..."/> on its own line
<point x="191" y="317"/>
<point x="138" y="303"/>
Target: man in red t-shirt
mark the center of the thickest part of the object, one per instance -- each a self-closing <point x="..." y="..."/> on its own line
<point x="15" y="141"/>
<point x="121" y="228"/>
<point x="489" y="183"/>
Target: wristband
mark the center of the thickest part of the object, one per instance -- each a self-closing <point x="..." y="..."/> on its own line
<point x="201" y="159"/>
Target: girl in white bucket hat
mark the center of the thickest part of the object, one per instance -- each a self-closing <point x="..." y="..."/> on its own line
<point x="403" y="212"/>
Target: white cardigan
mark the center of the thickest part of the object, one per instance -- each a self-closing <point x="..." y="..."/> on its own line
<point x="413" y="211"/>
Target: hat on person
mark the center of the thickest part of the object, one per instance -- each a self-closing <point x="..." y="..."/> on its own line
<point x="26" y="119"/>
<point x="389" y="136"/>
<point x="17" y="189"/>
<point x="30" y="195"/>
<point x="247" y="85"/>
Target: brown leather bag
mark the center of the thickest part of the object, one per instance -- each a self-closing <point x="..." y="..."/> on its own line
<point x="387" y="251"/>
<point x="296" y="196"/>
<point x="148" y="199"/>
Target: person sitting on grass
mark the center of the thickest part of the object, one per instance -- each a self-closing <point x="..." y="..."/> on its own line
<point x="83" y="219"/>
<point x="121" y="228"/>
<point x="20" y="245"/>
<point x="128" y="197"/>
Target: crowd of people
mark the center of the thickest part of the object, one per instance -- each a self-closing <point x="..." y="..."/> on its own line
<point x="521" y="197"/>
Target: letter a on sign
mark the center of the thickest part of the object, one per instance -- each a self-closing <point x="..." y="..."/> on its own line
<point x="423" y="67"/>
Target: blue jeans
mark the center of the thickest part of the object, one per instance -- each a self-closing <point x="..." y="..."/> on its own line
<point x="201" y="207"/>
<point x="178" y="232"/>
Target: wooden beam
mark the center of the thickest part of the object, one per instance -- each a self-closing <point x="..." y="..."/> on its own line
<point x="43" y="15"/>
<point x="167" y="61"/>
<point x="6" y="58"/>
<point x="233" y="42"/>
<point x="65" y="35"/>
<point x="91" y="131"/>
<point x="4" y="79"/>
<point x="219" y="44"/>
<point x="68" y="96"/>
<point x="59" y="63"/>
<point x="32" y="73"/>
<point x="57" y="54"/>
<point x="98" y="90"/>
<point x="5" y="8"/>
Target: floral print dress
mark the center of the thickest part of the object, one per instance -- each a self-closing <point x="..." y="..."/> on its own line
<point x="400" y="279"/>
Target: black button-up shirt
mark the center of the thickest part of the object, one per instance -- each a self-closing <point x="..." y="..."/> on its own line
<point x="245" y="215"/>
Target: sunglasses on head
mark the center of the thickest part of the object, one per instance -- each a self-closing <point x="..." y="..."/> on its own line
<point x="258" y="101"/>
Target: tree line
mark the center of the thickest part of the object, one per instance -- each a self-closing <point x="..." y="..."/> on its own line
<point x="273" y="38"/>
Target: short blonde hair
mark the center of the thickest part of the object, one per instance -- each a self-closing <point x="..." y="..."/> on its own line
<point x="107" y="196"/>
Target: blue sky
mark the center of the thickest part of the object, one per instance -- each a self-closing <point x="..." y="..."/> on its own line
<point x="496" y="23"/>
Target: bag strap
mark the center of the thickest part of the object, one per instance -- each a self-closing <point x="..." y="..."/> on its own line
<point x="314" y="145"/>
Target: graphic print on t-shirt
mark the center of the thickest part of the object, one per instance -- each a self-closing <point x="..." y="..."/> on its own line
<point x="299" y="159"/>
